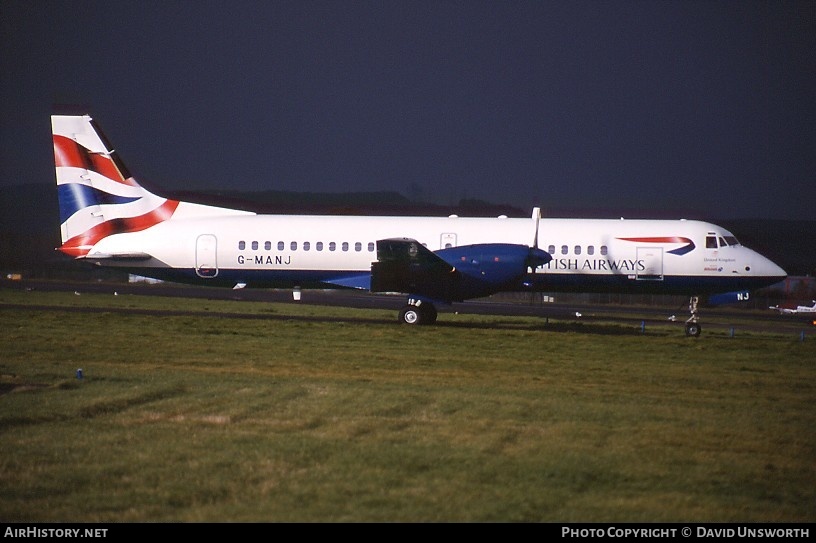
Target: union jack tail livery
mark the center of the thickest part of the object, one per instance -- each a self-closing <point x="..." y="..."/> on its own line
<point x="109" y="219"/>
<point x="98" y="197"/>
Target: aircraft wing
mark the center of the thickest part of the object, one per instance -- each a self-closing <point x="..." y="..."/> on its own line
<point x="454" y="274"/>
<point x="405" y="265"/>
<point x="796" y="310"/>
<point x="359" y="281"/>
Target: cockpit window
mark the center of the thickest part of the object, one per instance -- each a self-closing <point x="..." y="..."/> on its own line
<point x="713" y="241"/>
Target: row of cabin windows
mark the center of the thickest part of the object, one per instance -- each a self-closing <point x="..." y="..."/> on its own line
<point x="577" y="250"/>
<point x="711" y="243"/>
<point x="370" y="247"/>
<point x="307" y="246"/>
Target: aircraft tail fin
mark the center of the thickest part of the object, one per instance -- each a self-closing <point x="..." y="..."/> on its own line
<point x="97" y="195"/>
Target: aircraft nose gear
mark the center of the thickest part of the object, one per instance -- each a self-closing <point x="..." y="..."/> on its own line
<point x="693" y="327"/>
<point x="418" y="312"/>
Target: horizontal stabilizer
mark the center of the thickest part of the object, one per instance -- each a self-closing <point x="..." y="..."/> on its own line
<point x="118" y="256"/>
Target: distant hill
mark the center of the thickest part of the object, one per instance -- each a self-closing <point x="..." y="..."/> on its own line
<point x="29" y="222"/>
<point x="352" y="203"/>
<point x="29" y="228"/>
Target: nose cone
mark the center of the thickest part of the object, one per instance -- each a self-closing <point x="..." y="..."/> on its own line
<point x="764" y="267"/>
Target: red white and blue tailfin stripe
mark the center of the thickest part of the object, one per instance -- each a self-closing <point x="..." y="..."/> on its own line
<point x="97" y="197"/>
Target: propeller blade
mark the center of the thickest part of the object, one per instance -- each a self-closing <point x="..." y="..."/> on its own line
<point x="537" y="220"/>
<point x="536" y="257"/>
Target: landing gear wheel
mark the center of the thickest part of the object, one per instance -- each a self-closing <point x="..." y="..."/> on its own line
<point x="693" y="329"/>
<point x="418" y="314"/>
<point x="411" y="314"/>
<point x="429" y="314"/>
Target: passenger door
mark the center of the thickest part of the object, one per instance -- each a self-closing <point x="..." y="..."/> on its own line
<point x="206" y="256"/>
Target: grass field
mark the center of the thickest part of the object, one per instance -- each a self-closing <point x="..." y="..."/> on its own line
<point x="304" y="413"/>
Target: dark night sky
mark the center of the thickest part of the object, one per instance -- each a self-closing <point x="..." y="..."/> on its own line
<point x="706" y="109"/>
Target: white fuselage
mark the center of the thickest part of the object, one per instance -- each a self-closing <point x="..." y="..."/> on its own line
<point x="263" y="250"/>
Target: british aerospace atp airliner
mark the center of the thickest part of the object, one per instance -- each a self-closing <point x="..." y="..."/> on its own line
<point x="109" y="219"/>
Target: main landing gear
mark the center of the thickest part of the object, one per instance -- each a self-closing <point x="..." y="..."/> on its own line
<point x="693" y="327"/>
<point x="418" y="312"/>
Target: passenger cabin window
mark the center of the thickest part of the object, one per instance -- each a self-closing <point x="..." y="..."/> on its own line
<point x="551" y="249"/>
<point x="268" y="245"/>
<point x="319" y="246"/>
<point x="281" y="246"/>
<point x="591" y="250"/>
<point x="604" y="250"/>
<point x="306" y="245"/>
<point x="345" y="246"/>
<point x="358" y="246"/>
<point x="293" y="246"/>
<point x="332" y="246"/>
<point x="370" y="246"/>
<point x="577" y="249"/>
<point x="564" y="249"/>
<point x="241" y="245"/>
<point x="254" y="245"/>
